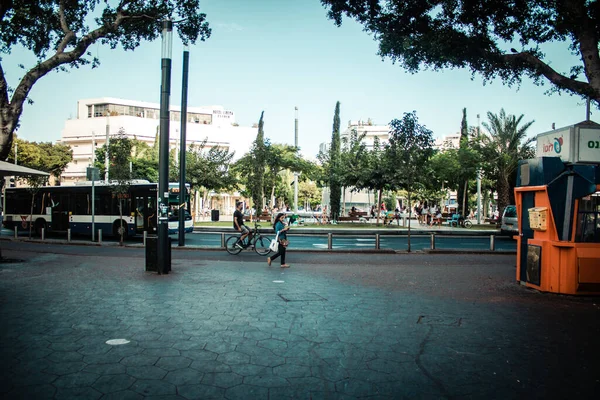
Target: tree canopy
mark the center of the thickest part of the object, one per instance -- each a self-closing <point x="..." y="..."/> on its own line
<point x="60" y="32"/>
<point x="495" y="38"/>
<point x="44" y="156"/>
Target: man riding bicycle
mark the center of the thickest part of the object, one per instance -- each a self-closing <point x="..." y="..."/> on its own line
<point x="238" y="225"/>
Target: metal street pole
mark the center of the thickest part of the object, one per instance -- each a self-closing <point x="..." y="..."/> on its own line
<point x="93" y="187"/>
<point x="182" y="189"/>
<point x="478" y="183"/>
<point x="295" y="173"/>
<point x="163" y="253"/>
<point x="106" y="154"/>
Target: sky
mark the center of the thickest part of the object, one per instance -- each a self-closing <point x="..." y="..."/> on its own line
<point x="273" y="56"/>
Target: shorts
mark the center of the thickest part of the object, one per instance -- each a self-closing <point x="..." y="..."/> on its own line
<point x="244" y="229"/>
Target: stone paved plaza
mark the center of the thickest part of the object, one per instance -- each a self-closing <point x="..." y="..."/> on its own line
<point x="334" y="326"/>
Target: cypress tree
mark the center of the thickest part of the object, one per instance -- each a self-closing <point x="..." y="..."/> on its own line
<point x="335" y="187"/>
<point x="461" y="193"/>
<point x="259" y="166"/>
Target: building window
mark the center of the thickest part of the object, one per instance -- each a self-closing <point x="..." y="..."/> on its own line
<point x="100" y="110"/>
<point x="90" y="108"/>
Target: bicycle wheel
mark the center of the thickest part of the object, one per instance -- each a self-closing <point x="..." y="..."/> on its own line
<point x="261" y="245"/>
<point x="468" y="224"/>
<point x="230" y="245"/>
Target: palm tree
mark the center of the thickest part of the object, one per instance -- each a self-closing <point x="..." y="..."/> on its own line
<point x="506" y="144"/>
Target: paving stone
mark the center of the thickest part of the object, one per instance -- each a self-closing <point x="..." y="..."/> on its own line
<point x="267" y="359"/>
<point x="210" y="366"/>
<point x="33" y="378"/>
<point x="219" y="346"/>
<point x="139" y="360"/>
<point x="355" y="387"/>
<point x="93" y="349"/>
<point x="146" y="372"/>
<point x="199" y="391"/>
<point x="105" y="369"/>
<point x="64" y="368"/>
<point x="161" y="352"/>
<point x="64" y="356"/>
<point x="273" y="344"/>
<point x="266" y="380"/>
<point x="153" y="387"/>
<point x="172" y="363"/>
<point x="185" y="376"/>
<point x="199" y="354"/>
<point x="33" y="391"/>
<point x="77" y="379"/>
<point x="244" y="392"/>
<point x="113" y="383"/>
<point x="222" y="379"/>
<point x="77" y="393"/>
<point x="233" y="357"/>
<point x="292" y="371"/>
<point x="250" y="369"/>
<point x="69" y="346"/>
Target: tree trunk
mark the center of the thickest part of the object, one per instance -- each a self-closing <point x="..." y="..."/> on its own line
<point x="7" y="127"/>
<point x="31" y="215"/>
<point x="121" y="222"/>
<point x="503" y="195"/>
<point x="409" y="216"/>
<point x="464" y="199"/>
<point x="379" y="206"/>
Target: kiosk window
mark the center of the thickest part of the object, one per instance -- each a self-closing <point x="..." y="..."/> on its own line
<point x="588" y="219"/>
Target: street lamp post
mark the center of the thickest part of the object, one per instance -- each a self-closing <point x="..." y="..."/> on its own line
<point x="163" y="253"/>
<point x="295" y="173"/>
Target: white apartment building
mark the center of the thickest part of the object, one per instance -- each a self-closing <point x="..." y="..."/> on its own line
<point x="104" y="117"/>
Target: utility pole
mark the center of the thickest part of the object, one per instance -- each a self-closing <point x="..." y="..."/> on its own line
<point x="182" y="142"/>
<point x="296" y="173"/>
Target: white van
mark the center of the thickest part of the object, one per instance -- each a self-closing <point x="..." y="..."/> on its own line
<point x="510" y="222"/>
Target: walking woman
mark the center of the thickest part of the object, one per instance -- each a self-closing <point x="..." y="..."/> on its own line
<point x="280" y="228"/>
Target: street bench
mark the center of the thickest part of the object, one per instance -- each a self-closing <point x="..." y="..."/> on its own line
<point x="260" y="218"/>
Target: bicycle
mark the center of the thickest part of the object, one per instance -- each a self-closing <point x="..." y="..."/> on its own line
<point x="258" y="242"/>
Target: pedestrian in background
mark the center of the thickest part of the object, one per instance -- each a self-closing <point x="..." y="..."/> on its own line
<point x="280" y="229"/>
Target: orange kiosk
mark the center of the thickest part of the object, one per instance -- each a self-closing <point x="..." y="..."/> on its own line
<point x="558" y="206"/>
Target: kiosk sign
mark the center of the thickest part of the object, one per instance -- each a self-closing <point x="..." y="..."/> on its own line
<point x="589" y="145"/>
<point x="578" y="143"/>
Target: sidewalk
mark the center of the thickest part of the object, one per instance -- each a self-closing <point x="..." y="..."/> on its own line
<point x="408" y="326"/>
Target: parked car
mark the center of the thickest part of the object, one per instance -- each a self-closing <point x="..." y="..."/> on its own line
<point x="510" y="222"/>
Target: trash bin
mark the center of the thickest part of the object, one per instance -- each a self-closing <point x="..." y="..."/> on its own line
<point x="152" y="254"/>
<point x="214" y="215"/>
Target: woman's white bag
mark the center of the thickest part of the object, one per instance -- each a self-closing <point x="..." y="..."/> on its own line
<point x="274" y="246"/>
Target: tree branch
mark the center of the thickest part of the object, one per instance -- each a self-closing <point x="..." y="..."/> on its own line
<point x="69" y="34"/>
<point x="59" y="58"/>
<point x="538" y="66"/>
